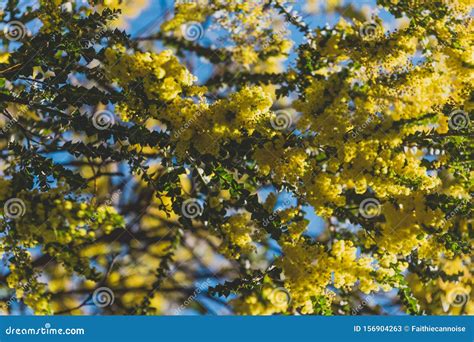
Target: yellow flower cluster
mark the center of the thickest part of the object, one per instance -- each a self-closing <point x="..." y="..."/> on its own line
<point x="246" y="23"/>
<point x="129" y="9"/>
<point x="309" y="269"/>
<point x="268" y="300"/>
<point x="206" y="126"/>
<point x="364" y="101"/>
<point x="165" y="80"/>
<point x="161" y="75"/>
<point x="455" y="297"/>
<point x="46" y="220"/>
<point x="239" y="236"/>
<point x="186" y="12"/>
<point x="354" y="119"/>
<point x="285" y="164"/>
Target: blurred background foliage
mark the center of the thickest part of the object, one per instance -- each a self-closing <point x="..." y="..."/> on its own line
<point x="236" y="157"/>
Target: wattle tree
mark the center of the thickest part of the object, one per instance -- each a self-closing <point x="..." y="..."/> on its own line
<point x="235" y="157"/>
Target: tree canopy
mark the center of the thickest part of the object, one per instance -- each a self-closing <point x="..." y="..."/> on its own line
<point x="233" y="157"/>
